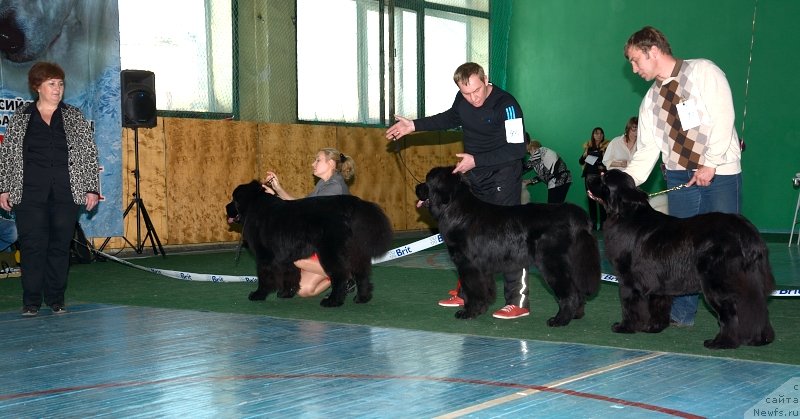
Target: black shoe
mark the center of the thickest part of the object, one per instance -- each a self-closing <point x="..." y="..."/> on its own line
<point x="30" y="311"/>
<point x="58" y="309"/>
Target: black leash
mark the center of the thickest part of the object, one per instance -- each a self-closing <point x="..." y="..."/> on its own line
<point x="398" y="150"/>
<point x="241" y="237"/>
<point x="238" y="250"/>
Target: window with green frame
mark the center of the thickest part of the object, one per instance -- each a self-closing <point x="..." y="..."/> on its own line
<point x="188" y="45"/>
<point x="348" y="51"/>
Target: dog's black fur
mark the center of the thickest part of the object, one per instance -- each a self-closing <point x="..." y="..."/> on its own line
<point x="345" y="232"/>
<point x="658" y="257"/>
<point x="484" y="239"/>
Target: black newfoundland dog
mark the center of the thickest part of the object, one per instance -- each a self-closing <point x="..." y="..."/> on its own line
<point x="484" y="239"/>
<point x="345" y="232"/>
<point x="658" y="257"/>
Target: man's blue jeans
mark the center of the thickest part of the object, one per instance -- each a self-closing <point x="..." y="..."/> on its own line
<point x="723" y="195"/>
<point x="8" y="234"/>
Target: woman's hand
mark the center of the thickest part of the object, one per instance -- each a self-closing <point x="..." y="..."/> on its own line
<point x="268" y="190"/>
<point x="91" y="200"/>
<point x="4" y="204"/>
<point x="272" y="186"/>
<point x="271" y="180"/>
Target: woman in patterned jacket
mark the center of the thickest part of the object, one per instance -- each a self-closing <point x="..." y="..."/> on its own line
<point x="48" y="169"/>
<point x="550" y="169"/>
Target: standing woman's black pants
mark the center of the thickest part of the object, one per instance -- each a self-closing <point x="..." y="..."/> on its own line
<point x="46" y="220"/>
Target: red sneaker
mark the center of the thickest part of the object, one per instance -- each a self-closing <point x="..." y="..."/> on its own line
<point x="511" y="312"/>
<point x="453" y="301"/>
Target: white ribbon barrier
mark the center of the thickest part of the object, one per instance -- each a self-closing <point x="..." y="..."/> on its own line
<point x="186" y="276"/>
<point x="408" y="249"/>
<point x="776" y="293"/>
<point x="398" y="252"/>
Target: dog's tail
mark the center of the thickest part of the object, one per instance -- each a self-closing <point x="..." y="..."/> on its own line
<point x="374" y="227"/>
<point x="765" y="270"/>
<point x="754" y="255"/>
<point x="756" y="282"/>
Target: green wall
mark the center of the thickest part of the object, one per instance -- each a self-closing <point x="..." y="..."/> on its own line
<point x="567" y="70"/>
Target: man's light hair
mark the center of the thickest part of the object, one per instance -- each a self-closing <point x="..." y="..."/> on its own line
<point x="465" y="71"/>
<point x="645" y="38"/>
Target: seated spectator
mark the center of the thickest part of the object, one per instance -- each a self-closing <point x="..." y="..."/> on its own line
<point x="621" y="149"/>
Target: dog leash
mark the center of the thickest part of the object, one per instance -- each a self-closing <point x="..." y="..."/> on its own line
<point x="239" y="248"/>
<point x="675" y="188"/>
<point x="241" y="240"/>
<point x="398" y="149"/>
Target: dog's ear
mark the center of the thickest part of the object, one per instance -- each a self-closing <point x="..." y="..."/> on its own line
<point x="246" y="192"/>
<point x="422" y="191"/>
<point x="441" y="183"/>
<point x="230" y="210"/>
<point x="623" y="195"/>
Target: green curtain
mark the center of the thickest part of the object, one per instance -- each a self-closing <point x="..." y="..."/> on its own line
<point x="499" y="27"/>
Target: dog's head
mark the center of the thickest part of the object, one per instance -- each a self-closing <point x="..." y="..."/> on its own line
<point x="242" y="199"/>
<point x="440" y="188"/>
<point x="31" y="27"/>
<point x="616" y="191"/>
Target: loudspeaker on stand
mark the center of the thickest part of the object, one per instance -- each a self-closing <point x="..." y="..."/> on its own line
<point x="138" y="98"/>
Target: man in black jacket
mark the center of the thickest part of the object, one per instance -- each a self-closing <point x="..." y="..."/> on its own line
<point x="491" y="120"/>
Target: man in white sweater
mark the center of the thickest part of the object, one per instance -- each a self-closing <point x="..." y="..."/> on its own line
<point x="687" y="118"/>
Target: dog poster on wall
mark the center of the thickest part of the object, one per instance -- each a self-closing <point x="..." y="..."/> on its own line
<point x="81" y="36"/>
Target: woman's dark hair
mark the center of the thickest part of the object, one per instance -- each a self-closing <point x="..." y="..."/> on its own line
<point x="634" y="120"/>
<point x="42" y="71"/>
<point x="601" y="132"/>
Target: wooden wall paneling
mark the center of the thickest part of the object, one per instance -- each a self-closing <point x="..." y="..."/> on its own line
<point x="378" y="178"/>
<point x="289" y="149"/>
<point x="451" y="143"/>
<point x="189" y="168"/>
<point x="240" y="157"/>
<point x="422" y="152"/>
<point x="208" y="159"/>
<point x="418" y="150"/>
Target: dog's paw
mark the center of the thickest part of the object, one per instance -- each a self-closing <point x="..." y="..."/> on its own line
<point x="720" y="343"/>
<point x="654" y="328"/>
<point x="257" y="296"/>
<point x="465" y="315"/>
<point x="330" y="302"/>
<point x="361" y="299"/>
<point x="579" y="313"/>
<point x="621" y="328"/>
<point x="286" y="293"/>
<point x="556" y="322"/>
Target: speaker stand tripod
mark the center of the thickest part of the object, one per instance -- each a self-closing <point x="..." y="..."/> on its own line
<point x="141" y="211"/>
